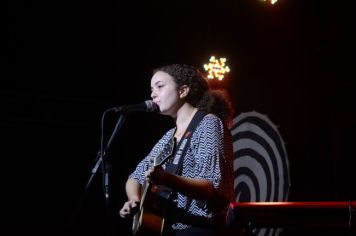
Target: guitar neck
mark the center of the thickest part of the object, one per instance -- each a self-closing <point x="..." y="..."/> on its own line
<point x="166" y="153"/>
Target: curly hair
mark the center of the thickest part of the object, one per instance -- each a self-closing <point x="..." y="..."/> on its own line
<point x="200" y="95"/>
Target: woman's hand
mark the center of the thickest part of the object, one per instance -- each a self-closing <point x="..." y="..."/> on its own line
<point x="156" y="175"/>
<point x="129" y="208"/>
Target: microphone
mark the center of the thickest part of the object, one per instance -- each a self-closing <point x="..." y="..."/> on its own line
<point x="147" y="106"/>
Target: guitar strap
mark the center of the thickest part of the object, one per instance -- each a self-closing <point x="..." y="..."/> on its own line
<point x="175" y="167"/>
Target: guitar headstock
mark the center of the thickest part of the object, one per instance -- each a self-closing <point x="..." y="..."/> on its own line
<point x="166" y="153"/>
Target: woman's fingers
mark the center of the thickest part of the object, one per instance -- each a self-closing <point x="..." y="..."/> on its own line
<point x="129" y="208"/>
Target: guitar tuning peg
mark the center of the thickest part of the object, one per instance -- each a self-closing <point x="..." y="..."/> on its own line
<point x="152" y="162"/>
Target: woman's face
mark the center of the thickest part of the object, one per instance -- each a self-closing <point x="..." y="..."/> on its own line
<point x="164" y="93"/>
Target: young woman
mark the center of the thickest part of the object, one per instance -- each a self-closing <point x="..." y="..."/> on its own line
<point x="202" y="184"/>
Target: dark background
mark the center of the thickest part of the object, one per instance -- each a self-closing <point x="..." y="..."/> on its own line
<point x="64" y="63"/>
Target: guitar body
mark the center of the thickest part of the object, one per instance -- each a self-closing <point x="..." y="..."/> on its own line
<point x="150" y="218"/>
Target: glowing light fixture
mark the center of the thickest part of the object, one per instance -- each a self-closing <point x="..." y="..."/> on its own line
<point x="216" y="68"/>
<point x="271" y="1"/>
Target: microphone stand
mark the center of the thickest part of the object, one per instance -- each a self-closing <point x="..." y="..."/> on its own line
<point x="102" y="162"/>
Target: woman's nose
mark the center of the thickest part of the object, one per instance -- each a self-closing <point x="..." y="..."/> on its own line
<point x="153" y="95"/>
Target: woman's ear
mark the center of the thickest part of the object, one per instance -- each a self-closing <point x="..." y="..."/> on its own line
<point x="183" y="91"/>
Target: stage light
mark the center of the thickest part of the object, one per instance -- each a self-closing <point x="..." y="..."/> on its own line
<point x="271" y="1"/>
<point x="216" y="68"/>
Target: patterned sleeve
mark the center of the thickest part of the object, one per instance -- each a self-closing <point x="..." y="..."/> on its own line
<point x="214" y="157"/>
<point x="139" y="173"/>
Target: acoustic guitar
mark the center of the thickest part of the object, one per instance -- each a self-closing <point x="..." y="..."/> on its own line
<point x="150" y="217"/>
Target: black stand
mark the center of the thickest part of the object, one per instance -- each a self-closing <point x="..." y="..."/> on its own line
<point x="101" y="161"/>
<point x="105" y="166"/>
